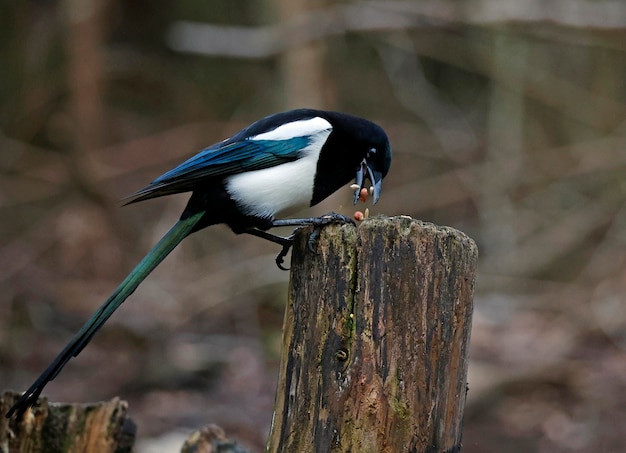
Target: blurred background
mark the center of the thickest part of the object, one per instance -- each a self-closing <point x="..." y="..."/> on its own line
<point x="507" y="120"/>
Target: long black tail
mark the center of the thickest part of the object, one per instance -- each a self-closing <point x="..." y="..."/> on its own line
<point x="171" y="239"/>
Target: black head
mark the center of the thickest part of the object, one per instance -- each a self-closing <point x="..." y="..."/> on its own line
<point x="356" y="148"/>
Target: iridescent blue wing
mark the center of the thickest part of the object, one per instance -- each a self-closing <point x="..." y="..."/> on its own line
<point x="222" y="160"/>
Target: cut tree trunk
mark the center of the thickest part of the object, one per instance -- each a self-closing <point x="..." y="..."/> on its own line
<point x="376" y="335"/>
<point x="67" y="428"/>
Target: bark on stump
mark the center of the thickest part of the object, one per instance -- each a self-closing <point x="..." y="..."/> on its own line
<point x="376" y="336"/>
<point x="64" y="428"/>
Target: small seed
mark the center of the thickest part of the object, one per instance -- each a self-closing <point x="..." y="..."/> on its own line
<point x="358" y="216"/>
<point x="367" y="213"/>
<point x="371" y="190"/>
<point x="355" y="187"/>
<point x="363" y="195"/>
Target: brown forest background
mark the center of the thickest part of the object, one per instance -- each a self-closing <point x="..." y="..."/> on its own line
<point x="507" y="120"/>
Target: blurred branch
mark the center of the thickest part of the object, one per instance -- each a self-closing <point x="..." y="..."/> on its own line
<point x="602" y="113"/>
<point x="22" y="251"/>
<point x="29" y="173"/>
<point x="541" y="84"/>
<point x="85" y="43"/>
<point x="553" y="240"/>
<point x="303" y="67"/>
<point x="420" y="97"/>
<point x="166" y="147"/>
<point x="505" y="143"/>
<point x="266" y="41"/>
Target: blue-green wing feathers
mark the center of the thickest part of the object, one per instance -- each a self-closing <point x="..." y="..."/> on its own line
<point x="220" y="161"/>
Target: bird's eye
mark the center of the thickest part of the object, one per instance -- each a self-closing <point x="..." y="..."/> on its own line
<point x="371" y="152"/>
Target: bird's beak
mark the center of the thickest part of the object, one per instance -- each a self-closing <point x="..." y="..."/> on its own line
<point x="375" y="177"/>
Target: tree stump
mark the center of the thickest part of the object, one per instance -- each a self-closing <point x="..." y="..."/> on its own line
<point x="67" y="428"/>
<point x="375" y="343"/>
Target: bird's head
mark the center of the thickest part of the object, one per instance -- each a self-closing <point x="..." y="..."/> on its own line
<point x="356" y="148"/>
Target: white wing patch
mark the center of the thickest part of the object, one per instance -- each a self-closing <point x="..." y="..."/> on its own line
<point x="271" y="190"/>
<point x="299" y="128"/>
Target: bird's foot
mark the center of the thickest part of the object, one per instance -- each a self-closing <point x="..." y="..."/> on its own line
<point x="326" y="219"/>
<point x="333" y="217"/>
<point x="287" y="242"/>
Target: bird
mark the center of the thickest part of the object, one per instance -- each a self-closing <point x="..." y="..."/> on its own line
<point x="283" y="161"/>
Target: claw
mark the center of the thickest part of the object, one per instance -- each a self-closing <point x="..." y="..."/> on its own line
<point x="312" y="240"/>
<point x="280" y="258"/>
<point x="331" y="217"/>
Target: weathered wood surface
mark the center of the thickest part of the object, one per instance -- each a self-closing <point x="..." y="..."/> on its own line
<point x="376" y="335"/>
<point x="67" y="428"/>
<point x="211" y="439"/>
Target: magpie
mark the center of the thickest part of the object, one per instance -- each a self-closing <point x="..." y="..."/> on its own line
<point x="283" y="161"/>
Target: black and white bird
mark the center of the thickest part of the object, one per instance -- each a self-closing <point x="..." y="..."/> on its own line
<point x="283" y="161"/>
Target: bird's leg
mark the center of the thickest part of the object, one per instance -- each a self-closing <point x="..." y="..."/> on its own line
<point x="331" y="217"/>
<point x="287" y="241"/>
<point x="316" y="222"/>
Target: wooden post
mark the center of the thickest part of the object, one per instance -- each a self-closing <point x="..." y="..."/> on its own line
<point x="67" y="428"/>
<point x="375" y="345"/>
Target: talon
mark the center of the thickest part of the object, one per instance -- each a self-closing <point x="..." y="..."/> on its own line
<point x="312" y="240"/>
<point x="280" y="258"/>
